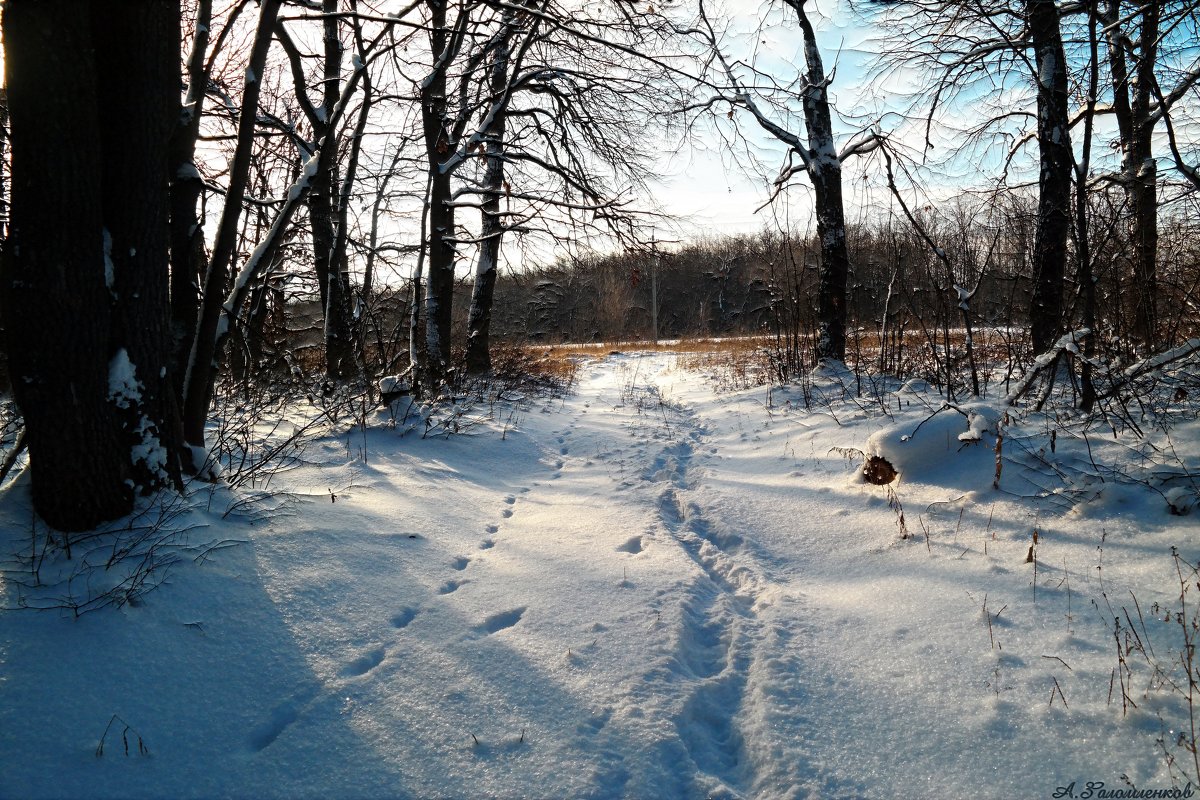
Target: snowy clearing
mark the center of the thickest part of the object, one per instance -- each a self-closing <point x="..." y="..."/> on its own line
<point x="643" y="590"/>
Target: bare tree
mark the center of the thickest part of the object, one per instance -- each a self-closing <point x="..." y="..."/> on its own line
<point x="224" y="294"/>
<point x="814" y="155"/>
<point x="325" y="202"/>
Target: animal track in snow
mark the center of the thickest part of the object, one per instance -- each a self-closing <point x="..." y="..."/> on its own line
<point x="450" y="586"/>
<point x="505" y="619"/>
<point x="278" y="721"/>
<point x="487" y="544"/>
<point x="506" y="513"/>
<point x="492" y="528"/>
<point x="633" y="546"/>
<point x="510" y="499"/>
<point x="403" y="617"/>
<point x="460" y="563"/>
<point x="364" y="663"/>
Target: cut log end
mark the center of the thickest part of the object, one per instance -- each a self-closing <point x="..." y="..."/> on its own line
<point x="879" y="471"/>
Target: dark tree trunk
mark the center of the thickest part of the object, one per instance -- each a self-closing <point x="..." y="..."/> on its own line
<point x="479" y="318"/>
<point x="1085" y="274"/>
<point x="439" y="279"/>
<point x="1131" y="106"/>
<point x="1054" y="181"/>
<point x="328" y="244"/>
<point x="139" y="106"/>
<point x="90" y="167"/>
<point x="187" y="232"/>
<point x="1143" y="184"/>
<point x="339" y="341"/>
<point x="825" y="171"/>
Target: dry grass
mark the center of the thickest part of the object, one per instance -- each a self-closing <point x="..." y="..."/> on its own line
<point x="745" y="361"/>
<point x="698" y="345"/>
<point x="514" y="366"/>
<point x="734" y="362"/>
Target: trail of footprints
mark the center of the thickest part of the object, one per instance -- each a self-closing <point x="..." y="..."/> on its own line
<point x="287" y="712"/>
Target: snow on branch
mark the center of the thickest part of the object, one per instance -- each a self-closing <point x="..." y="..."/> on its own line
<point x="1067" y="343"/>
<point x="1157" y="362"/>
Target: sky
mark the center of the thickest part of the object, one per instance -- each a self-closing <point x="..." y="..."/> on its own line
<point x="713" y="190"/>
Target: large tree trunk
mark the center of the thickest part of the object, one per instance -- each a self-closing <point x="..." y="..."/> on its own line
<point x="139" y="104"/>
<point x="1054" y="182"/>
<point x="90" y="180"/>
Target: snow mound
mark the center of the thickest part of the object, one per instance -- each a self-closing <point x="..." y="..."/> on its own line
<point x="954" y="448"/>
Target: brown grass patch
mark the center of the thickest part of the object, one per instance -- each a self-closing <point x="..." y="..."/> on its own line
<point x="733" y="362"/>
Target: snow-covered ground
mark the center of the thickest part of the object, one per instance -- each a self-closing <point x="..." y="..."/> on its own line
<point x="643" y="590"/>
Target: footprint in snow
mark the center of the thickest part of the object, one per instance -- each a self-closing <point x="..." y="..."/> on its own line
<point x="283" y="715"/>
<point x="506" y="513"/>
<point x="492" y="528"/>
<point x="633" y="546"/>
<point x="403" y="617"/>
<point x="460" y="563"/>
<point x="498" y="622"/>
<point x="510" y="500"/>
<point x="487" y="544"/>
<point x="450" y="586"/>
<point x="364" y="663"/>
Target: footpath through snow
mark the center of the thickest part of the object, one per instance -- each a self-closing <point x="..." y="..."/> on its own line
<point x="644" y="590"/>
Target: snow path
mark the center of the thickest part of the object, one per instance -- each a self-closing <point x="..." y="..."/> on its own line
<point x="642" y="590"/>
<point x="687" y="658"/>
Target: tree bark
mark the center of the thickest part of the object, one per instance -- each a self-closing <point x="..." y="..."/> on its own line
<point x="322" y="212"/>
<point x="479" y="318"/>
<point x="1054" y="180"/>
<point x="92" y="93"/>
<point x="139" y="107"/>
<point x="439" y="280"/>
<point x="187" y="230"/>
<point x="825" y="171"/>
<point x="1143" y="185"/>
<point x="1085" y="275"/>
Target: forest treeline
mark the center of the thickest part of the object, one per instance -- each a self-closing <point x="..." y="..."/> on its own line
<point x="763" y="284"/>
<point x="181" y="178"/>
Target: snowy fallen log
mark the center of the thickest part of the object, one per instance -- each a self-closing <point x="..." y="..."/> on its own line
<point x="1151" y="364"/>
<point x="944" y="449"/>
<point x="1068" y="343"/>
<point x="14" y="453"/>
